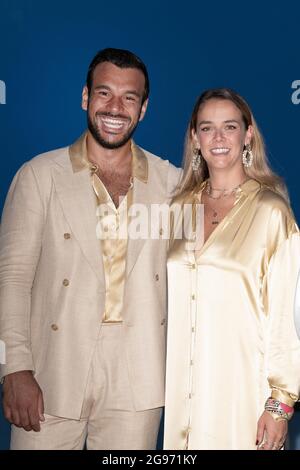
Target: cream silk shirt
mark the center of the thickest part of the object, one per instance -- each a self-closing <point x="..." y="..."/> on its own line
<point x="231" y="335"/>
<point x="112" y="233"/>
<point x="297" y="307"/>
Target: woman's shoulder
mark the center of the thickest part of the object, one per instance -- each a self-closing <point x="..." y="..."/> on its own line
<point x="276" y="211"/>
<point x="270" y="199"/>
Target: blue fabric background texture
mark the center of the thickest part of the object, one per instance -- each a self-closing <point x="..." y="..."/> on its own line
<point x="46" y="47"/>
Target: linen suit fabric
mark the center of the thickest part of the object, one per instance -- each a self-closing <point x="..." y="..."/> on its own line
<point x="108" y="418"/>
<point x="52" y="285"/>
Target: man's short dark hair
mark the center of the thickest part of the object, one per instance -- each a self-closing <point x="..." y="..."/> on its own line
<point x="121" y="58"/>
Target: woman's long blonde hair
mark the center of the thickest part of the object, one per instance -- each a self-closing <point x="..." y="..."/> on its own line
<point x="260" y="169"/>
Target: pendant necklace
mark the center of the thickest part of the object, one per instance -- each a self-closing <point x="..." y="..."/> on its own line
<point x="215" y="214"/>
<point x="223" y="194"/>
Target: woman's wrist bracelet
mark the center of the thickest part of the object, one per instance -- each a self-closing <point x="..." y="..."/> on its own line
<point x="278" y="410"/>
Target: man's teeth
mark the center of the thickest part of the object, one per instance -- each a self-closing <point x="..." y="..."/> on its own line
<point x="113" y="123"/>
<point x="220" y="150"/>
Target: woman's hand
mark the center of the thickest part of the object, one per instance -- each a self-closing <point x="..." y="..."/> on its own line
<point x="271" y="434"/>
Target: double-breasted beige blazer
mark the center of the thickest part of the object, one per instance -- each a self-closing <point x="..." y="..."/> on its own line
<point x="52" y="285"/>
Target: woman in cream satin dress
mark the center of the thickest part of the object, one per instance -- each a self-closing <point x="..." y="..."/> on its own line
<point x="233" y="357"/>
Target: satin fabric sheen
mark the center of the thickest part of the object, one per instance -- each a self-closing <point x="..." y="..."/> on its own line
<point x="112" y="224"/>
<point x="231" y="333"/>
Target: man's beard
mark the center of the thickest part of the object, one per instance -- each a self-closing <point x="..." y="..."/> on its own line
<point x="105" y="143"/>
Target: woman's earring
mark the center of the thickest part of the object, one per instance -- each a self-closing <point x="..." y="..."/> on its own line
<point x="196" y="160"/>
<point x="247" y="156"/>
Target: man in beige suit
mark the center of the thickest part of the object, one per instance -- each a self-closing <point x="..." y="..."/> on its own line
<point x="83" y="309"/>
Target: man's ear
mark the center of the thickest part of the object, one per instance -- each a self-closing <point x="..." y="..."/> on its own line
<point x="143" y="110"/>
<point x="85" y="98"/>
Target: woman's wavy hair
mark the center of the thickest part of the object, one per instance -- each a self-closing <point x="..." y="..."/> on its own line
<point x="260" y="169"/>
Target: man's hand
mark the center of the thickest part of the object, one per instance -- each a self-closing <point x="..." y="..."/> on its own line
<point x="23" y="403"/>
<point x="271" y="434"/>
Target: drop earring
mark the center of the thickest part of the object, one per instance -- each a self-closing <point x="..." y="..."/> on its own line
<point x="196" y="159"/>
<point x="247" y="156"/>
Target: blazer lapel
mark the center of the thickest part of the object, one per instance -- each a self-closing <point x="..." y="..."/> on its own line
<point x="78" y="202"/>
<point x="141" y="202"/>
<point x="145" y="194"/>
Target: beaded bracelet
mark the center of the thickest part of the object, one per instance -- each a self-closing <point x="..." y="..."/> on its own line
<point x="278" y="410"/>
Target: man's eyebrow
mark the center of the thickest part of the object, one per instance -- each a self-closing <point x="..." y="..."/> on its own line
<point x="101" y="86"/>
<point x="106" y="87"/>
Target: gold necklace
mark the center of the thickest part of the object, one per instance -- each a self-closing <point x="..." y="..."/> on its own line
<point x="224" y="192"/>
<point x="215" y="215"/>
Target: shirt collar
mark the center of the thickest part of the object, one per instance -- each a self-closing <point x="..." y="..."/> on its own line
<point x="80" y="161"/>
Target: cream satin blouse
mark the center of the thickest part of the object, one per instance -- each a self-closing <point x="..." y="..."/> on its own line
<point x="231" y="334"/>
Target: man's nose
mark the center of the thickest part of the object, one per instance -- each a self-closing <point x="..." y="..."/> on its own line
<point x="115" y="104"/>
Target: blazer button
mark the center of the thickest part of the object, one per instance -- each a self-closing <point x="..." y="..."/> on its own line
<point x="163" y="321"/>
<point x="67" y="236"/>
<point x="66" y="282"/>
<point x="156" y="277"/>
<point x="54" y="327"/>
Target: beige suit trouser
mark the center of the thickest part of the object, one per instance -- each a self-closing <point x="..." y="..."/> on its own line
<point x="108" y="419"/>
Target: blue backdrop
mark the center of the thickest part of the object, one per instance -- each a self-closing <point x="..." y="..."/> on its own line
<point x="45" y="49"/>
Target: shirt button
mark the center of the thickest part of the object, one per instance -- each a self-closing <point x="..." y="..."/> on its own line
<point x="161" y="231"/>
<point x="192" y="363"/>
<point x="193" y="329"/>
<point x="193" y="296"/>
<point x="190" y="396"/>
<point x="67" y="236"/>
<point x="163" y="321"/>
<point x="54" y="327"/>
<point x="66" y="282"/>
<point x="193" y="266"/>
<point x="156" y="277"/>
<point x="94" y="168"/>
